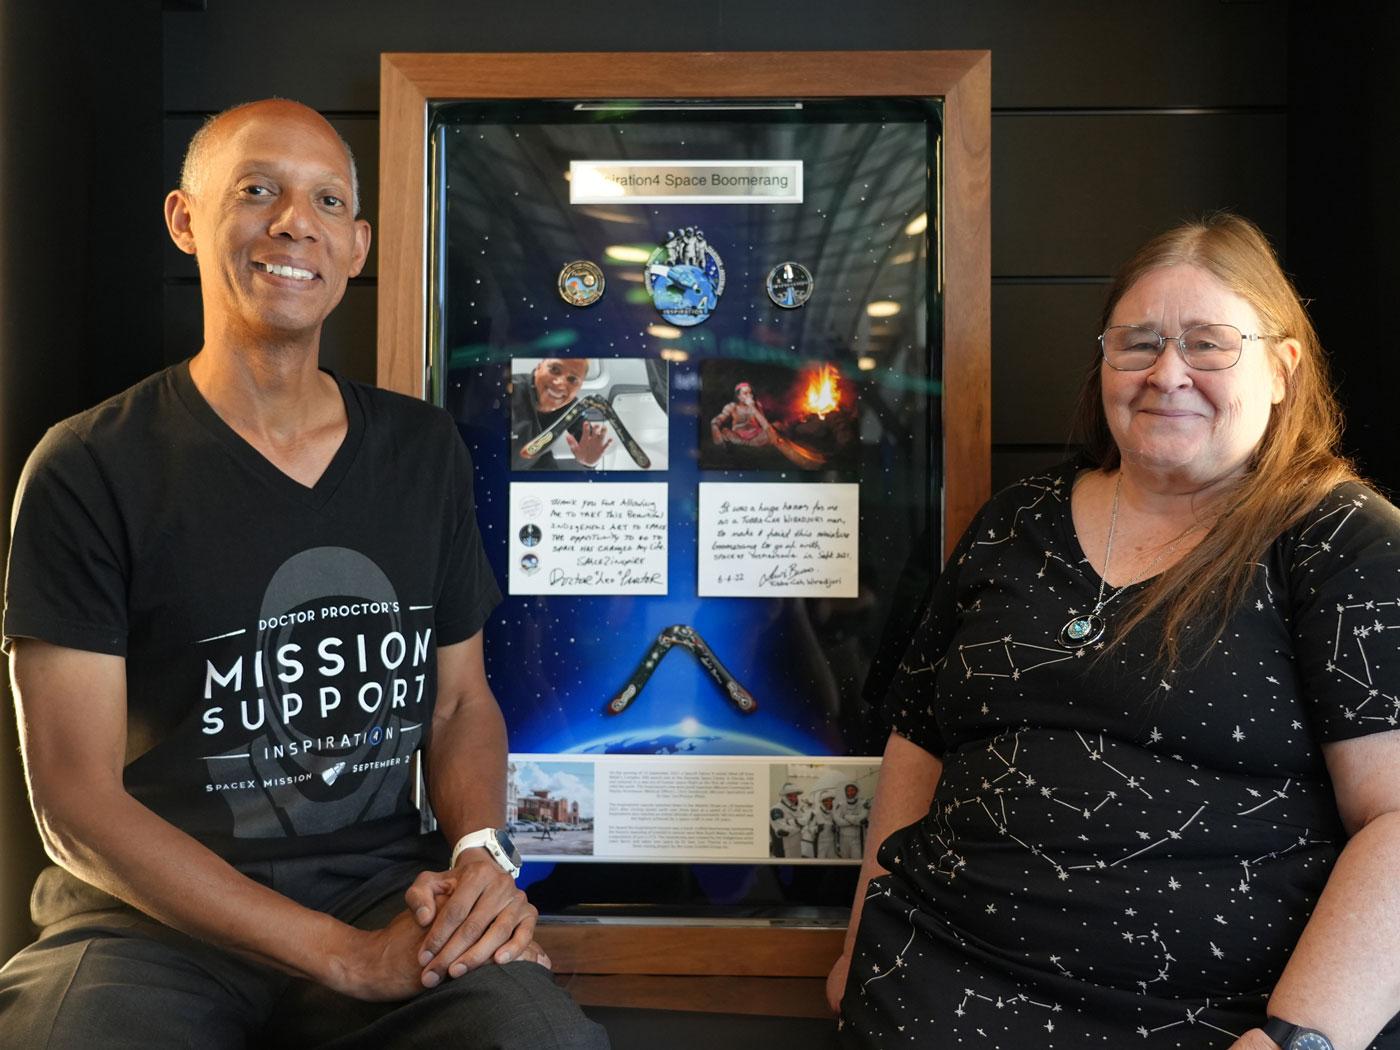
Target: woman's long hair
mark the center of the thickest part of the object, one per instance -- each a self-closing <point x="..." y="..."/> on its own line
<point x="1295" y="465"/>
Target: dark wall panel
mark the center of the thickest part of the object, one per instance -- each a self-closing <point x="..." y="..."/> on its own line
<point x="1043" y="341"/>
<point x="1011" y="463"/>
<point x="1087" y="53"/>
<point x="1077" y="193"/>
<point x="1344" y="221"/>
<point x="80" y="285"/>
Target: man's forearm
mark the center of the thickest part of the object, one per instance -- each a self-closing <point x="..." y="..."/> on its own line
<point x="71" y="708"/>
<point x="111" y="841"/>
<point x="466" y="769"/>
<point x="474" y="914"/>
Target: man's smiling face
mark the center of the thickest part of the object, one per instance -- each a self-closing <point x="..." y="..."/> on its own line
<point x="269" y="217"/>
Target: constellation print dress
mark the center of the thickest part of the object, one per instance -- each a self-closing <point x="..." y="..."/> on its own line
<point x="1117" y="854"/>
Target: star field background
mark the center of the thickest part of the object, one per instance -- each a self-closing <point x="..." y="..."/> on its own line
<point x="505" y="229"/>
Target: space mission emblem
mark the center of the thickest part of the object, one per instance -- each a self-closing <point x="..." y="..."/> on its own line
<point x="685" y="277"/>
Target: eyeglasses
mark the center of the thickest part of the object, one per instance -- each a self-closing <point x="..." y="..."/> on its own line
<point x="1204" y="347"/>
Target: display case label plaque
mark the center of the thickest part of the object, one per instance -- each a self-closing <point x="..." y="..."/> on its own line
<point x="685" y="181"/>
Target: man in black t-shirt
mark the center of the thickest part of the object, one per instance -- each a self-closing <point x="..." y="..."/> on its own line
<point x="243" y="597"/>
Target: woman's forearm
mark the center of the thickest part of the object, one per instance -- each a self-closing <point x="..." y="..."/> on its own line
<point x="1343" y="977"/>
<point x="908" y="777"/>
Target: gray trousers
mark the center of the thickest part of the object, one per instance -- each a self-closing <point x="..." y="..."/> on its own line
<point x="111" y="977"/>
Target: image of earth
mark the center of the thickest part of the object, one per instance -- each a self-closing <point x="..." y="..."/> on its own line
<point x="687" y="737"/>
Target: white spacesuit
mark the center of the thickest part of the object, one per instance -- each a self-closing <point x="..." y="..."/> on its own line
<point x="788" y="821"/>
<point x="851" y="817"/>
<point x="823" y="826"/>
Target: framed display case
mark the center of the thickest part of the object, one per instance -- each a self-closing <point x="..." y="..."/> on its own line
<point x="715" y="328"/>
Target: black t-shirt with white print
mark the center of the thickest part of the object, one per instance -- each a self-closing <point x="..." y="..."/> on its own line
<point x="280" y="641"/>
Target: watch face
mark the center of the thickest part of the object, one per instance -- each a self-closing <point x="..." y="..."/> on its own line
<point x="1310" y="1041"/>
<point x="508" y="848"/>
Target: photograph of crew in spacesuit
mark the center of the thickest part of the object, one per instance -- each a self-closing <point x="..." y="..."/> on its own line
<point x="823" y="828"/>
<point x="851" y="816"/>
<point x="820" y="810"/>
<point x="788" y="822"/>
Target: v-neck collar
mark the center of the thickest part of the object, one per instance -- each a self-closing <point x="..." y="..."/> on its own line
<point x="315" y="497"/>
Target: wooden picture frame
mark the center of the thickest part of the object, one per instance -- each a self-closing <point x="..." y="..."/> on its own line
<point x="704" y="967"/>
<point x="962" y="79"/>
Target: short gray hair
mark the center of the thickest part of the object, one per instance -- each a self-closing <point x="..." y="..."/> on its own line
<point x="191" y="168"/>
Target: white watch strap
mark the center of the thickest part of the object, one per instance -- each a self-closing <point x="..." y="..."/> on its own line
<point x="480" y="837"/>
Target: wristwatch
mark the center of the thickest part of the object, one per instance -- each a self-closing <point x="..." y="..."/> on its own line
<point x="1292" y="1036"/>
<point x="502" y="850"/>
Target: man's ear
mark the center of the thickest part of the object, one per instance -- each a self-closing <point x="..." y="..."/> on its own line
<point x="362" y="240"/>
<point x="177" y="220"/>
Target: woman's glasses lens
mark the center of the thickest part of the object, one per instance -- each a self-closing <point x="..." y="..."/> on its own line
<point x="1206" y="347"/>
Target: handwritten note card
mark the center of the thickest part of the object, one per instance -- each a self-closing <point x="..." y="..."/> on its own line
<point x="601" y="538"/>
<point x="765" y="541"/>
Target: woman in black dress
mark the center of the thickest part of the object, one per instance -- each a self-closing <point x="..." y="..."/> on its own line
<point x="1142" y="788"/>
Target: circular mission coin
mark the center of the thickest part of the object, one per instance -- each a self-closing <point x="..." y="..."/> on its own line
<point x="581" y="283"/>
<point x="789" y="285"/>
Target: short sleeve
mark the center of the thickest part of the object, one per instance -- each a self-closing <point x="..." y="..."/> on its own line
<point x="68" y="570"/>
<point x="1343" y="566"/>
<point x="469" y="591"/>
<point x="909" y="704"/>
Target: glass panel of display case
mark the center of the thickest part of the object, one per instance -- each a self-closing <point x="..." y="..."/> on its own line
<point x="694" y="351"/>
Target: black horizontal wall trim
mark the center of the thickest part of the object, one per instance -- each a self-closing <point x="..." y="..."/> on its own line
<point x="1139" y="111"/>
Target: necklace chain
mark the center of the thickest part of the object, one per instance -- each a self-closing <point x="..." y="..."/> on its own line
<point x="1082" y="630"/>
<point x="1099" y="602"/>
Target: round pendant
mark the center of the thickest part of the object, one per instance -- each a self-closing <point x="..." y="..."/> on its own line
<point x="1082" y="630"/>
